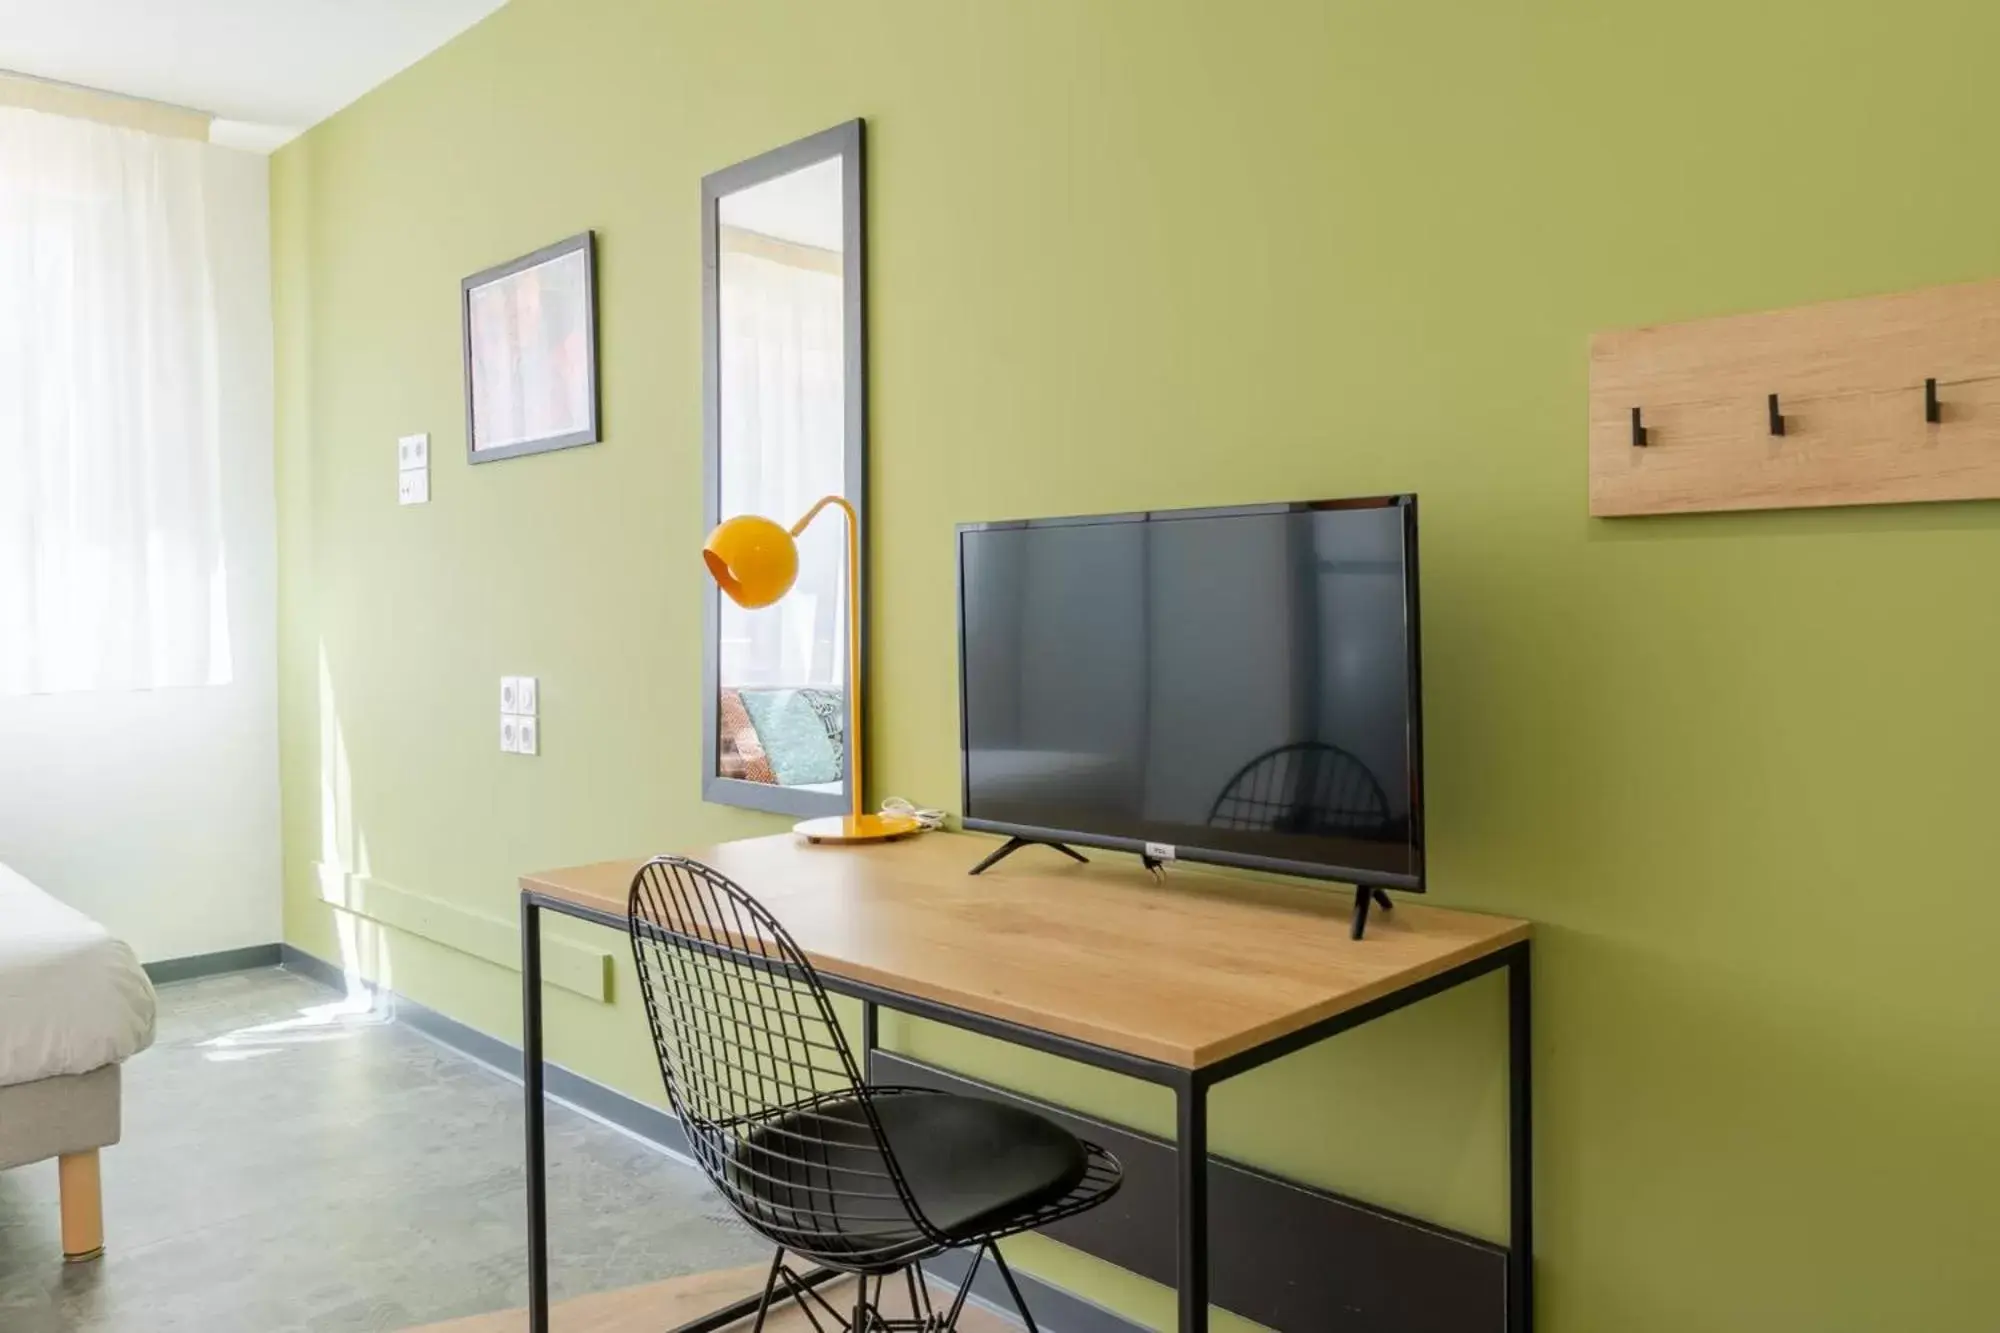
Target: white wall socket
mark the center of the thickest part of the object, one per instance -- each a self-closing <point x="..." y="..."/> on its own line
<point x="519" y="732"/>
<point x="517" y="695"/>
<point x="413" y="470"/>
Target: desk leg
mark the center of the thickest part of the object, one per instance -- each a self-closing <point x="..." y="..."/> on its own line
<point x="532" y="1106"/>
<point x="1520" y="1148"/>
<point x="1191" y="1160"/>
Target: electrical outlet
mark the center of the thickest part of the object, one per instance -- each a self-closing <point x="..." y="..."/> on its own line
<point x="510" y="734"/>
<point x="413" y="487"/>
<point x="413" y="451"/>
<point x="510" y="694"/>
<point x="527" y="736"/>
<point x="524" y="695"/>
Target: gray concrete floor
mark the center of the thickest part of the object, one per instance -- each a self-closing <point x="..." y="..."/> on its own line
<point x="289" y="1166"/>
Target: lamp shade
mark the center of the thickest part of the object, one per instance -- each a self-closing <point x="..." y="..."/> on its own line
<point x="753" y="560"/>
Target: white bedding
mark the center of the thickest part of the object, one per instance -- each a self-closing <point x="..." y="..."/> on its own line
<point x="72" y="999"/>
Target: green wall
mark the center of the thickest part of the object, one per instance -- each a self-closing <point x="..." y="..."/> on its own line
<point x="1136" y="255"/>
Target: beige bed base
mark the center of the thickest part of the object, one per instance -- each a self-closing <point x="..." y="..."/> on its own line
<point x="67" y="1118"/>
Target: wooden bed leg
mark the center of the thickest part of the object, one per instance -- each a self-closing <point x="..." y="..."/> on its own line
<point x="82" y="1207"/>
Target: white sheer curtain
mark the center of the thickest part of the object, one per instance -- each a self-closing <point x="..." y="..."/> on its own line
<point x="783" y="430"/>
<point x="111" y="553"/>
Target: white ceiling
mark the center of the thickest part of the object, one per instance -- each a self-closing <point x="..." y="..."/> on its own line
<point x="803" y="206"/>
<point x="276" y="66"/>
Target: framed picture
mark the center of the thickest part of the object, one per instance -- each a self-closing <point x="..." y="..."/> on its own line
<point x="531" y="352"/>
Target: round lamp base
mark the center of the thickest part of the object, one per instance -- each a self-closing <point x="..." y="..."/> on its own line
<point x="857" y="828"/>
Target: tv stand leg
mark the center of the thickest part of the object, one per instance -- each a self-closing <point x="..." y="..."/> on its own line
<point x="1363" y="899"/>
<point x="1012" y="845"/>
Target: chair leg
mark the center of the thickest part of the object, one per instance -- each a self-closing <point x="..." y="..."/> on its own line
<point x="920" y="1295"/>
<point x="770" y="1285"/>
<point x="1020" y="1302"/>
<point x="806" y="1297"/>
<point x="964" y="1288"/>
<point x="82" y="1193"/>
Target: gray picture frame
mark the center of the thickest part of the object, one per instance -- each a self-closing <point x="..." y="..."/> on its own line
<point x="844" y="141"/>
<point x="586" y="242"/>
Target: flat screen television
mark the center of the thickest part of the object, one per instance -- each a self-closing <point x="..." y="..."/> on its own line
<point x="1237" y="686"/>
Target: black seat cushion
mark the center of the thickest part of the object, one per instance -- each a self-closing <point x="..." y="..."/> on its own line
<point x="972" y="1165"/>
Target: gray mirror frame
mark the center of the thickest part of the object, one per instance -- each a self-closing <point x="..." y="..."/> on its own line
<point x="844" y="142"/>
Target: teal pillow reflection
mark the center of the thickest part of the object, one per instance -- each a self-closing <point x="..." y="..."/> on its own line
<point x="801" y="732"/>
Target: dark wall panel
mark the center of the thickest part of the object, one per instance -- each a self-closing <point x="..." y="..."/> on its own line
<point x="1293" y="1258"/>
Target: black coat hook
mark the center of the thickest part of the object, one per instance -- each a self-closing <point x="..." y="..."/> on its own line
<point x="1638" y="431"/>
<point x="1933" y="411"/>
<point x="1777" y="417"/>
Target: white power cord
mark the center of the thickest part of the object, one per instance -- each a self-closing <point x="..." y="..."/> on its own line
<point x="932" y="820"/>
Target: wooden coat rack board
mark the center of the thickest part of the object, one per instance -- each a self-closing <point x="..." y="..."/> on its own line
<point x="1881" y="400"/>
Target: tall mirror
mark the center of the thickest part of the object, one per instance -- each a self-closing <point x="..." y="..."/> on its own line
<point x="784" y="416"/>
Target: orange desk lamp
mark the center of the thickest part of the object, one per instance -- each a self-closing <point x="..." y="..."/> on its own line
<point x="755" y="562"/>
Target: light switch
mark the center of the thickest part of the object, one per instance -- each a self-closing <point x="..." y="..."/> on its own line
<point x="413" y="470"/>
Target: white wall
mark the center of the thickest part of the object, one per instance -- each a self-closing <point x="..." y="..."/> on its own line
<point x="157" y="811"/>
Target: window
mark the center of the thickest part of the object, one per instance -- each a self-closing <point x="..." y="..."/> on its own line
<point x="111" y="550"/>
<point x="783" y="430"/>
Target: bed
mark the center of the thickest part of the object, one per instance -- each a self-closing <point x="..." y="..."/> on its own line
<point x="74" y="1005"/>
<point x="784" y="736"/>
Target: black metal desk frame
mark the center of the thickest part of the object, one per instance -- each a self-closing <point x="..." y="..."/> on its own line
<point x="1190" y="1088"/>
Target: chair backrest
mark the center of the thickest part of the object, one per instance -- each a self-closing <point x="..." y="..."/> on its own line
<point x="1304" y="787"/>
<point x="759" y="1072"/>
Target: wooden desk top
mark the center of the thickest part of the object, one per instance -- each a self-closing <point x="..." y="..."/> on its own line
<point x="1187" y="972"/>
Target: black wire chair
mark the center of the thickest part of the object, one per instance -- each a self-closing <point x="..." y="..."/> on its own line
<point x="1305" y="787"/>
<point x="864" y="1180"/>
<point x="1313" y="788"/>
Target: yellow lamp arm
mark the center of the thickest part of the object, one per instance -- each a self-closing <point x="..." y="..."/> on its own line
<point x="822" y="503"/>
<point x="858" y="802"/>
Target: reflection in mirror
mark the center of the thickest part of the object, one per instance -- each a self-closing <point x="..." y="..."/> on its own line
<point x="783" y="435"/>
